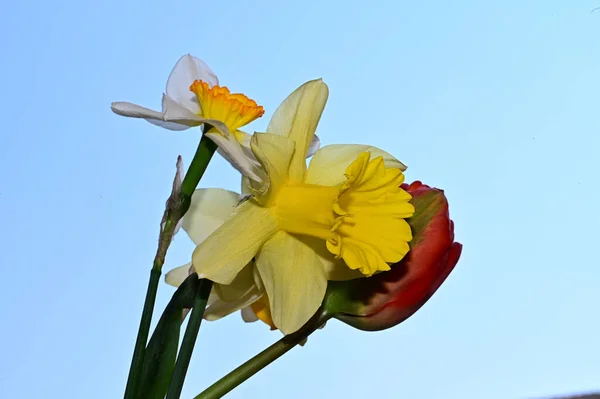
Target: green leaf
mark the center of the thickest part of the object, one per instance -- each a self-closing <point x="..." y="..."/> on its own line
<point x="161" y="352"/>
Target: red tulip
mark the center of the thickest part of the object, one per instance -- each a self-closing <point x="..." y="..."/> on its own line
<point x="390" y="297"/>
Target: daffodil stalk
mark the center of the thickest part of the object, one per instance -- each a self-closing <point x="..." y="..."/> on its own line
<point x="264" y="358"/>
<point x="189" y="340"/>
<point x="177" y="205"/>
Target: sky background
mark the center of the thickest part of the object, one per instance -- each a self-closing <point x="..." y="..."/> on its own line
<point x="495" y="102"/>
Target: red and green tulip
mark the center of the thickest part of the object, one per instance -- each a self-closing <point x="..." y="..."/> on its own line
<point x="388" y="298"/>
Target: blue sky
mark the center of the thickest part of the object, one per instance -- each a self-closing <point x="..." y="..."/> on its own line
<point x="496" y="102"/>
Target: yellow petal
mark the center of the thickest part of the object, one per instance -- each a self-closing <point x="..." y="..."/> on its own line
<point x="274" y="154"/>
<point x="294" y="280"/>
<point x="231" y="247"/>
<point x="297" y="118"/>
<point x="209" y="208"/>
<point x="328" y="165"/>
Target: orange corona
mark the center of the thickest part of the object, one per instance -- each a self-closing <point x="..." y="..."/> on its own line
<point x="217" y="102"/>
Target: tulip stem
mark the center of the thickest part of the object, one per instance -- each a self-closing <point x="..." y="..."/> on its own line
<point x="189" y="339"/>
<point x="264" y="358"/>
<point x="172" y="216"/>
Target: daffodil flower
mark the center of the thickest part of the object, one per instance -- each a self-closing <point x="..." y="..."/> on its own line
<point x="340" y="218"/>
<point x="193" y="97"/>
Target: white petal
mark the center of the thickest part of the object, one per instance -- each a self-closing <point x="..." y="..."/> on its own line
<point x="297" y="118"/>
<point x="188" y="69"/>
<point x="328" y="165"/>
<point x="175" y="112"/>
<point x="231" y="247"/>
<point x="248" y="315"/>
<point x="154" y="117"/>
<point x="209" y="208"/>
<point x="294" y="281"/>
<point x="233" y="152"/>
<point x="314" y="146"/>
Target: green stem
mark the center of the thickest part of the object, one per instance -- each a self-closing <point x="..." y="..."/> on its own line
<point x="263" y="359"/>
<point x="189" y="340"/>
<point x="204" y="152"/>
<point x="142" y="337"/>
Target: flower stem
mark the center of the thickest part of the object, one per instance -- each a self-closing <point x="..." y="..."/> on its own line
<point x="142" y="337"/>
<point x="173" y="214"/>
<point x="189" y="339"/>
<point x="264" y="358"/>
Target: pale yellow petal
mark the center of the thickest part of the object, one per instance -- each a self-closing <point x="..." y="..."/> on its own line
<point x="274" y="154"/>
<point x="209" y="208"/>
<point x="242" y="292"/>
<point x="231" y="247"/>
<point x="177" y="275"/>
<point x="241" y="285"/>
<point x="294" y="280"/>
<point x="297" y="118"/>
<point x="335" y="269"/>
<point x="329" y="163"/>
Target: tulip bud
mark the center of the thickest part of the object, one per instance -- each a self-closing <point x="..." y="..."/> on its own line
<point x="390" y="297"/>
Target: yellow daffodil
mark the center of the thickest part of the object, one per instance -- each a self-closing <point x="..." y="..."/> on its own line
<point x="193" y="97"/>
<point x="340" y="218"/>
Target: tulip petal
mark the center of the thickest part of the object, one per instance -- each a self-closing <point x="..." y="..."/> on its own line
<point x="297" y="118"/>
<point x="209" y="208"/>
<point x="328" y="165"/>
<point x="135" y="111"/>
<point x="294" y="280"/>
<point x="274" y="153"/>
<point x="184" y="73"/>
<point x="231" y="247"/>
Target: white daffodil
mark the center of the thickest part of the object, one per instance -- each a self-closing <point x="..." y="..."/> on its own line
<point x="193" y="97"/>
<point x="340" y="218"/>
